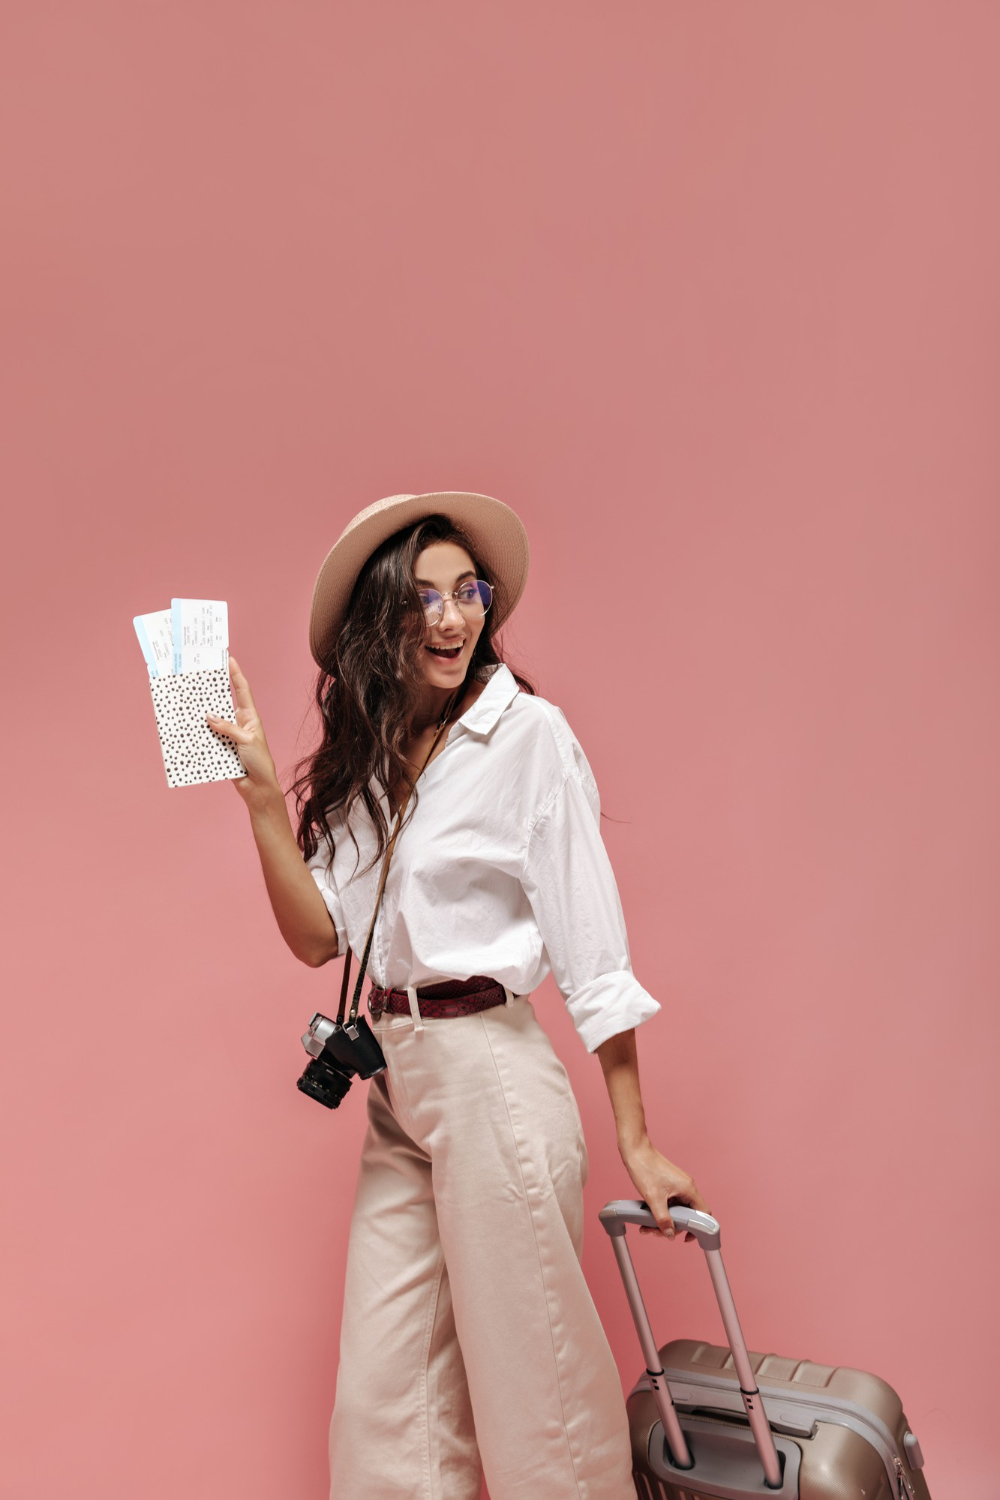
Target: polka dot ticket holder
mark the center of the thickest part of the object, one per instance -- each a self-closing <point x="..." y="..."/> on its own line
<point x="192" y="752"/>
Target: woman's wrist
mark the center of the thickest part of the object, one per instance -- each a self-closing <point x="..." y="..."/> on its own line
<point x="265" y="803"/>
<point x="632" y="1142"/>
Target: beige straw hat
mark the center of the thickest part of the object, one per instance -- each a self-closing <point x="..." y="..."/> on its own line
<point x="496" y="532"/>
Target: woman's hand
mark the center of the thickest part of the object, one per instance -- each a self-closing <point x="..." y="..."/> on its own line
<point x="261" y="780"/>
<point x="658" y="1180"/>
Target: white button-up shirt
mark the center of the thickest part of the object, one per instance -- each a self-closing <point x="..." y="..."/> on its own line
<point x="501" y="871"/>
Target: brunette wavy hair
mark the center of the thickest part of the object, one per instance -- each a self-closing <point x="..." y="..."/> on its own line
<point x="367" y="689"/>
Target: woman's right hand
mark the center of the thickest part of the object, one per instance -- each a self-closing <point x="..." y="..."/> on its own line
<point x="261" y="779"/>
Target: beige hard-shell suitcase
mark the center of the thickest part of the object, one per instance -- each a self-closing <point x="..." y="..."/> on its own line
<point x="715" y="1423"/>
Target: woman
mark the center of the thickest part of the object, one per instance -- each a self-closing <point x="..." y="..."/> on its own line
<point x="469" y="1340"/>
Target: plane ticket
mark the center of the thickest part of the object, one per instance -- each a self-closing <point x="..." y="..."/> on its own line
<point x="191" y="636"/>
<point x="201" y="634"/>
<point x="156" y="638"/>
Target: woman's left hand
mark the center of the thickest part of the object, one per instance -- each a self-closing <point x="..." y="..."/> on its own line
<point x="657" y="1181"/>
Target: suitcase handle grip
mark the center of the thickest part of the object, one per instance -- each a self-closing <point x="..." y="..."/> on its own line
<point x="622" y="1211"/>
<point x="616" y="1216"/>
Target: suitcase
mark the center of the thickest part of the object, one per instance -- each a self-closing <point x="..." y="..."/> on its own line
<point x="711" y="1421"/>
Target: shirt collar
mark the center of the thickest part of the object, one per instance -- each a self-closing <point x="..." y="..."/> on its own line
<point x="500" y="690"/>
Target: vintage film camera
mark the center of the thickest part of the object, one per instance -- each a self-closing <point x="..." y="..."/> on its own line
<point x="340" y="1052"/>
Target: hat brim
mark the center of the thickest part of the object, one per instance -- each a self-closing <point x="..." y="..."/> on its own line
<point x="496" y="532"/>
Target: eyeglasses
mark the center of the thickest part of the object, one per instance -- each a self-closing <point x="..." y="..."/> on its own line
<point x="472" y="598"/>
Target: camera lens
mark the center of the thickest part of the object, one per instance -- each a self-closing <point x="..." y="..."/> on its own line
<point x="323" y="1081"/>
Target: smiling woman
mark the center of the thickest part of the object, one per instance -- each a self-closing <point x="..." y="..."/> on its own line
<point x="474" y="1135"/>
<point x="383" y="685"/>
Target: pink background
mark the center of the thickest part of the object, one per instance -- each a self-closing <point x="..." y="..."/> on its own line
<point x="709" y="294"/>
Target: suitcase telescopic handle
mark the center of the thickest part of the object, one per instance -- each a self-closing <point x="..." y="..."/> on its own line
<point x="616" y="1216"/>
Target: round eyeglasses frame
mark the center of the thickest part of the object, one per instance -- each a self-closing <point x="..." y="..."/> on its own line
<point x="433" y="602"/>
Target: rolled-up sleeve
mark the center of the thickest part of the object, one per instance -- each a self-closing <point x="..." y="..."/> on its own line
<point x="319" y="867"/>
<point x="568" y="880"/>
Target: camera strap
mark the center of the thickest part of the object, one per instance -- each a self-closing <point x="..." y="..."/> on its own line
<point x="381" y="885"/>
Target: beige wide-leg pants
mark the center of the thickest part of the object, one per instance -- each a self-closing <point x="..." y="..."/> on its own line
<point x="470" y="1342"/>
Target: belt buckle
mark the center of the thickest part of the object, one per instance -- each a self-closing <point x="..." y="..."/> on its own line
<point x="375" y="1005"/>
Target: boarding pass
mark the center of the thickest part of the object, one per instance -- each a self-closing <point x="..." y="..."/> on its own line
<point x="191" y="636"/>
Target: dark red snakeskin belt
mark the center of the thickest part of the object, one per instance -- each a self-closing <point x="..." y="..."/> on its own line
<point x="452" y="997"/>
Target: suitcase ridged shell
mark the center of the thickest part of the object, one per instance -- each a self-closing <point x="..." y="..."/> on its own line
<point x="837" y="1463"/>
